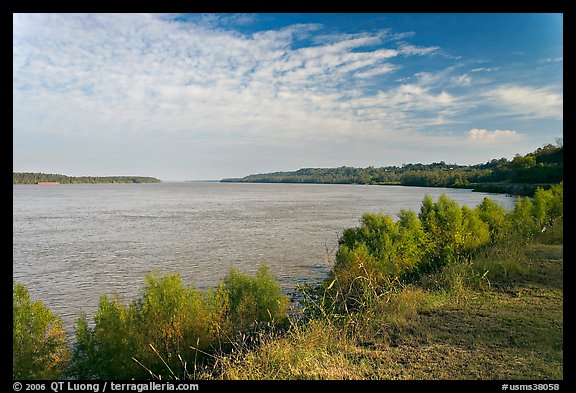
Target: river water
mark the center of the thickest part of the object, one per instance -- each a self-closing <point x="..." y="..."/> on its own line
<point x="74" y="243"/>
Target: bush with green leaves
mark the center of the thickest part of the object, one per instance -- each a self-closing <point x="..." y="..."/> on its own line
<point x="455" y="231"/>
<point x="494" y="215"/>
<point x="548" y="205"/>
<point x="475" y="232"/>
<point x="380" y="253"/>
<point x="40" y="348"/>
<point x="171" y="325"/>
<point x="255" y="302"/>
<point x="523" y="222"/>
<point x="372" y="256"/>
<point x="104" y="351"/>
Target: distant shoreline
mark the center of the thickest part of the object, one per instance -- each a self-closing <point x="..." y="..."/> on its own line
<point x="514" y="189"/>
<point x="38" y="178"/>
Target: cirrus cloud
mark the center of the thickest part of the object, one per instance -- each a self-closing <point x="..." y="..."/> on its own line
<point x="529" y="102"/>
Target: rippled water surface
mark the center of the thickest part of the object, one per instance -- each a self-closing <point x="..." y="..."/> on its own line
<point x="73" y="243"/>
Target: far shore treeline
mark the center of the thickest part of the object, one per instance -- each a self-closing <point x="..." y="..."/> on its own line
<point x="35" y="178"/>
<point x="520" y="176"/>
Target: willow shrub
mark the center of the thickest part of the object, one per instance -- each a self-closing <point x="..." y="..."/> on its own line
<point x="548" y="205"/>
<point x="254" y="302"/>
<point x="494" y="216"/>
<point x="105" y="351"/>
<point x="455" y="231"/>
<point x="375" y="256"/>
<point x="40" y="349"/>
<point x="522" y="219"/>
<point x="372" y="255"/>
<point x="172" y="326"/>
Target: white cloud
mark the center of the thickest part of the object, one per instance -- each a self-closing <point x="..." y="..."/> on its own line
<point x="86" y="74"/>
<point x="528" y="102"/>
<point x="484" y="69"/>
<point x="412" y="50"/>
<point x="443" y="78"/>
<point x="551" y="59"/>
<point x="494" y="136"/>
<point x="383" y="69"/>
<point x="461" y="80"/>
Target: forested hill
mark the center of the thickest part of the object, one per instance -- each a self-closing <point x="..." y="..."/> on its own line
<point x="34" y="178"/>
<point x="521" y="175"/>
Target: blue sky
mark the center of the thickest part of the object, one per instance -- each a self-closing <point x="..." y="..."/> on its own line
<point x="196" y="96"/>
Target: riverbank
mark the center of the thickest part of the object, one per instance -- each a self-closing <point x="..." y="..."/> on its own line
<point x="520" y="189"/>
<point x="514" y="189"/>
<point x="507" y="326"/>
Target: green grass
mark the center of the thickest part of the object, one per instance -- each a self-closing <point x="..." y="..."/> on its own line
<point x="461" y="323"/>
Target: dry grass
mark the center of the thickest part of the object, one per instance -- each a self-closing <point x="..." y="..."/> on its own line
<point x="317" y="352"/>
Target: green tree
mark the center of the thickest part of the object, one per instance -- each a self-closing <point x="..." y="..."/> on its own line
<point x="375" y="255"/>
<point x="39" y="344"/>
<point x="177" y="320"/>
<point x="415" y="243"/>
<point x="548" y="205"/>
<point x="166" y="324"/>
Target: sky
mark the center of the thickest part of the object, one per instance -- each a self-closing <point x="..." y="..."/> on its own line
<point x="211" y="96"/>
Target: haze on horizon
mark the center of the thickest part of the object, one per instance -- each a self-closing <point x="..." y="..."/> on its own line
<point x="196" y="96"/>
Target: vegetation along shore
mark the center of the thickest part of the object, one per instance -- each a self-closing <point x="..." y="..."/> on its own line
<point x="39" y="178"/>
<point x="520" y="176"/>
<point x="448" y="292"/>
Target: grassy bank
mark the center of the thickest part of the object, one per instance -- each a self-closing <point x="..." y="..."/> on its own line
<point x="455" y="324"/>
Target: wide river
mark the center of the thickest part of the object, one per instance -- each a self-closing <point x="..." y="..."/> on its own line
<point x="74" y="243"/>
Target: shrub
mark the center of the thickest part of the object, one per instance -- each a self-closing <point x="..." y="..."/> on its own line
<point x="495" y="216"/>
<point x="381" y="253"/>
<point x="171" y="325"/>
<point x="444" y="224"/>
<point x="522" y="220"/>
<point x="39" y="343"/>
<point x="556" y="206"/>
<point x="254" y="301"/>
<point x="548" y="205"/>
<point x="167" y="325"/>
<point x="475" y="232"/>
<point x="415" y="242"/>
<point x="105" y="351"/>
<point x="175" y="320"/>
<point x="373" y="257"/>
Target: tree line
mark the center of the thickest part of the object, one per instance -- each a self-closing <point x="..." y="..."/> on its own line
<point x="34" y="178"/>
<point x="541" y="167"/>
